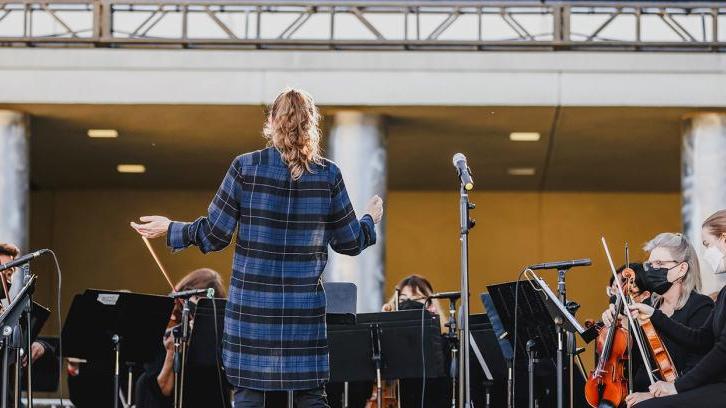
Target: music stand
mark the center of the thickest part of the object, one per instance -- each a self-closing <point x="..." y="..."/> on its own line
<point x="205" y="343"/>
<point x="534" y="323"/>
<point x="351" y="347"/>
<point x="556" y="309"/>
<point x="127" y="327"/>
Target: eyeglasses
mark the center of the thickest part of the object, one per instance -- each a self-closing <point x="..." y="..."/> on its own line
<point x="402" y="299"/>
<point x="660" y="264"/>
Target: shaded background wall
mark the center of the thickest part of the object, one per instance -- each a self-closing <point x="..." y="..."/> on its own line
<point x="89" y="231"/>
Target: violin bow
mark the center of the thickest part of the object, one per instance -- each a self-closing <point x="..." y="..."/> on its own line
<point x="158" y="262"/>
<point x="638" y="340"/>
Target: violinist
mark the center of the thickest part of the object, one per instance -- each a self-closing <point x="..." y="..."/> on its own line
<point x="155" y="387"/>
<point x="705" y="384"/>
<point x="673" y="276"/>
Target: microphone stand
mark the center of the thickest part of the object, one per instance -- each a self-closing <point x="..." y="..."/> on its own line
<point x="465" y="224"/>
<point x="565" y="345"/>
<point x="180" y="354"/>
<point x="181" y="342"/>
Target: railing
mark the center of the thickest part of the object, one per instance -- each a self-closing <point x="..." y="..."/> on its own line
<point x="378" y="24"/>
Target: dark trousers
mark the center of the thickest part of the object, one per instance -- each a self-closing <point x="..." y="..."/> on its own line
<point x="248" y="398"/>
<point x="711" y="395"/>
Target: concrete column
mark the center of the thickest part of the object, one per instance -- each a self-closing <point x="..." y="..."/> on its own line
<point x="357" y="145"/>
<point x="14" y="178"/>
<point x="703" y="181"/>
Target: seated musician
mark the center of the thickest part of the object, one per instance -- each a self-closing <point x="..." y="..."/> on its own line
<point x="8" y="252"/>
<point x="413" y="292"/>
<point x="673" y="276"/>
<point x="705" y="384"/>
<point x="155" y="387"/>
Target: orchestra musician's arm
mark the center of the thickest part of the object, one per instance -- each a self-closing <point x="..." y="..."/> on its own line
<point x="212" y="232"/>
<point x="165" y="379"/>
<point x="350" y="236"/>
<point x="701" y="338"/>
<point x="711" y="365"/>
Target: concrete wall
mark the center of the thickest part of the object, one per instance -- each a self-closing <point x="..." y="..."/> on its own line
<point x="89" y="231"/>
<point x="364" y="78"/>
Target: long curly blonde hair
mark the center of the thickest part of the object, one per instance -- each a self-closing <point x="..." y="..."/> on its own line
<point x="292" y="128"/>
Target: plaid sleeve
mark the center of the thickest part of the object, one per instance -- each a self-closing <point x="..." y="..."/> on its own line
<point x="214" y="231"/>
<point x="350" y="236"/>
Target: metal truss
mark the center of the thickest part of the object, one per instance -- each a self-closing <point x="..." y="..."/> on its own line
<point x="376" y="24"/>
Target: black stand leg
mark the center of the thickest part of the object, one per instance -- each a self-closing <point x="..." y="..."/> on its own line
<point x="116" y="339"/>
<point x="18" y="366"/>
<point x="29" y="348"/>
<point x="532" y="355"/>
<point x="510" y="384"/>
<point x="451" y="335"/>
<point x="180" y="356"/>
<point x="6" y="333"/>
<point x="375" y="330"/>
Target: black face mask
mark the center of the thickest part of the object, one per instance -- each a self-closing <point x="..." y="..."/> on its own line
<point x="658" y="279"/>
<point x="410" y="305"/>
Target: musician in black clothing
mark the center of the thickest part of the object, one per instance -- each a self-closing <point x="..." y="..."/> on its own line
<point x="672" y="274"/>
<point x="8" y="252"/>
<point x="705" y="384"/>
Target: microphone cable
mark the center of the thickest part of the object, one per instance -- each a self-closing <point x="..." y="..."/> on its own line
<point x="60" y="327"/>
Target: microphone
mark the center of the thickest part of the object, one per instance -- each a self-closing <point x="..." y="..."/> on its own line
<point x="446" y="295"/>
<point x="462" y="169"/>
<point x="562" y="264"/>
<point x="193" y="292"/>
<point x="23" y="259"/>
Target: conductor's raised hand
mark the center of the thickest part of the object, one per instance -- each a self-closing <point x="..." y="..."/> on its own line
<point x="641" y="311"/>
<point x="375" y="208"/>
<point x="152" y="226"/>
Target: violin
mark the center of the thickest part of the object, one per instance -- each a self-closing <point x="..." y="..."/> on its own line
<point x="607" y="385"/>
<point x="661" y="356"/>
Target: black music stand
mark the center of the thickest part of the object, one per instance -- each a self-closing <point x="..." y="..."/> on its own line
<point x="205" y="348"/>
<point x="534" y="324"/>
<point x="123" y="326"/>
<point x="380" y="346"/>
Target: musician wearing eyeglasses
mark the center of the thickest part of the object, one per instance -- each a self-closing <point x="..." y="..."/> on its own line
<point x="673" y="276"/>
<point x="704" y="385"/>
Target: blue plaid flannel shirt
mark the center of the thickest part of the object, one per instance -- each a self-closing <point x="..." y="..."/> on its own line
<point x="274" y="327"/>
